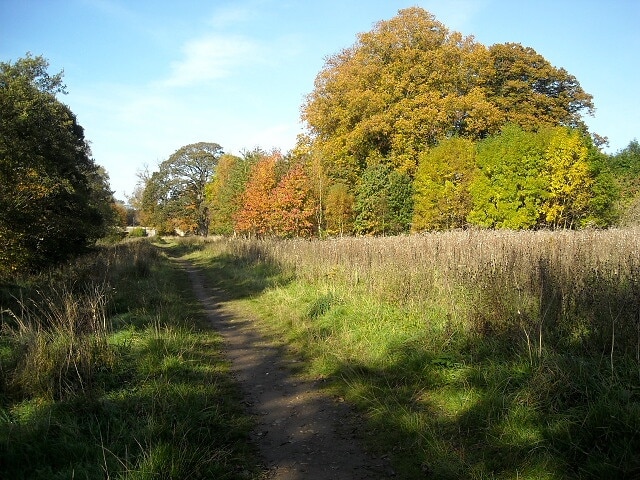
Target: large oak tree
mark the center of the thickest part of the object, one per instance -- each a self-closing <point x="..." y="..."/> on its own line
<point x="410" y="82"/>
<point x="175" y="195"/>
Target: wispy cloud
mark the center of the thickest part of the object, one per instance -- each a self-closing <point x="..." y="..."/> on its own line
<point x="211" y="57"/>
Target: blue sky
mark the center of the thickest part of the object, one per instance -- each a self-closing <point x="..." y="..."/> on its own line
<point x="146" y="77"/>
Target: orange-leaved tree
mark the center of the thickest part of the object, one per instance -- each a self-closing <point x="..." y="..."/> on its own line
<point x="253" y="218"/>
<point x="293" y="206"/>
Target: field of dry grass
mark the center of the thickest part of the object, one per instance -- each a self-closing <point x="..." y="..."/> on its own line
<point x="471" y="354"/>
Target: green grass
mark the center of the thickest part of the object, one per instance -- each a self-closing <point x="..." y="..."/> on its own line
<point x="148" y="397"/>
<point x="445" y="384"/>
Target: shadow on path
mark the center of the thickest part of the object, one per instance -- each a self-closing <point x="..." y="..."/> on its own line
<point x="301" y="432"/>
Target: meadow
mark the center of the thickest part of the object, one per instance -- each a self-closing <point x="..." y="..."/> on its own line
<point x="469" y="354"/>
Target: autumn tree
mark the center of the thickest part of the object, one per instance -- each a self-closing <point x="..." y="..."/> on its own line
<point x="175" y="194"/>
<point x="396" y="91"/>
<point x="442" y="196"/>
<point x="339" y="207"/>
<point x="293" y="207"/>
<point x="253" y="218"/>
<point x="531" y="92"/>
<point x="570" y="180"/>
<point x="410" y="82"/>
<point x="55" y="200"/>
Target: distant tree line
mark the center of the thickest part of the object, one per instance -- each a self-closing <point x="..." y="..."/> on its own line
<point x="417" y="128"/>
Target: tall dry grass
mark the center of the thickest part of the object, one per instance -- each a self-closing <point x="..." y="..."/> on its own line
<point x="58" y="326"/>
<point x="577" y="290"/>
<point x="472" y="354"/>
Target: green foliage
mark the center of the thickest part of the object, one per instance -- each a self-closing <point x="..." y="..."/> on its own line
<point x="224" y="193"/>
<point x="383" y="202"/>
<point x="509" y="189"/>
<point x="625" y="167"/>
<point x="138" y="232"/>
<point x="55" y="200"/>
<point x="552" y="178"/>
<point x="442" y="197"/>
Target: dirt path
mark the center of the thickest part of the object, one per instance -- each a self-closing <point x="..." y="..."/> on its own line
<point x="302" y="433"/>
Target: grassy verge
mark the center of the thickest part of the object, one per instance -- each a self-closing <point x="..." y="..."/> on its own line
<point x="108" y="371"/>
<point x="470" y="355"/>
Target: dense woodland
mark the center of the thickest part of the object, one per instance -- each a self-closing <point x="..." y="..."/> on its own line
<point x="412" y="128"/>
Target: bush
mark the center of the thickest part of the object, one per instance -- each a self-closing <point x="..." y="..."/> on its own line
<point x="138" y="232"/>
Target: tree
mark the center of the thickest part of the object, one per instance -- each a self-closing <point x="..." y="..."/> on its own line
<point x="604" y="191"/>
<point x="395" y="92"/>
<point x="55" y="200"/>
<point x="224" y="192"/>
<point x="383" y="202"/>
<point x="157" y="205"/>
<point x="625" y="167"/>
<point x="570" y="180"/>
<point x="533" y="93"/>
<point x="176" y="192"/>
<point x="410" y="83"/>
<point x="509" y="189"/>
<point x="442" y="196"/>
<point x="254" y="216"/>
<point x="555" y="177"/>
<point x="293" y="207"/>
<point x="339" y="209"/>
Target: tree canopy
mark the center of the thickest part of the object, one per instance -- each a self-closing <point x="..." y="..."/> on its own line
<point x="442" y="196"/>
<point x="55" y="200"/>
<point x="278" y="200"/>
<point x="552" y="178"/>
<point x="410" y="82"/>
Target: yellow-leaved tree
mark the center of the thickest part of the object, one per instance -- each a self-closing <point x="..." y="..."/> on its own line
<point x="570" y="179"/>
<point x="442" y="196"/>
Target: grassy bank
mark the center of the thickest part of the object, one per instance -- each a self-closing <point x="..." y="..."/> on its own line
<point x="470" y="354"/>
<point x="108" y="371"/>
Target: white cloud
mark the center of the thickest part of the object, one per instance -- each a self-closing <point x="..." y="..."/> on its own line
<point x="211" y="57"/>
